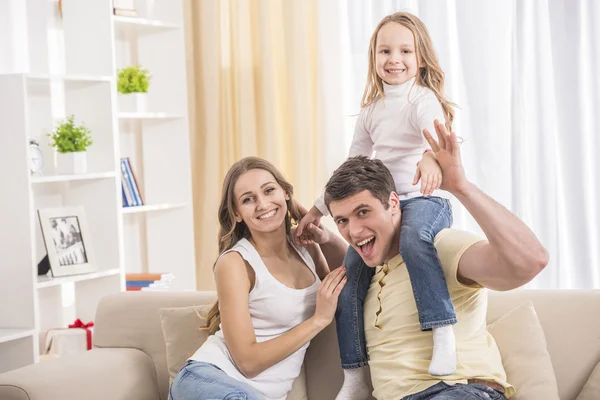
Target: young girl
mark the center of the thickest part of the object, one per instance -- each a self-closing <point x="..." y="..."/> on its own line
<point x="403" y="96"/>
<point x="271" y="298"/>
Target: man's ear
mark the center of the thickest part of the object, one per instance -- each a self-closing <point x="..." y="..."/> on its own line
<point x="394" y="202"/>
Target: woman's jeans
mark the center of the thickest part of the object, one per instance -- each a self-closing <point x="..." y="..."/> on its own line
<point x="422" y="219"/>
<point x="202" y="381"/>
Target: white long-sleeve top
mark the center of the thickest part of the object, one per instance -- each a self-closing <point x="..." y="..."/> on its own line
<point x="390" y="129"/>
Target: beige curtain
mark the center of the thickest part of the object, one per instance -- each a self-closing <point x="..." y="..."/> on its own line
<point x="252" y="68"/>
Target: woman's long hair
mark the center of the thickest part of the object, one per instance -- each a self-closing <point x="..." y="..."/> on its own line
<point x="231" y="231"/>
<point x="430" y="73"/>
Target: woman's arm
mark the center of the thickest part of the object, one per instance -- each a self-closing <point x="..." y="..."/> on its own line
<point x="251" y="357"/>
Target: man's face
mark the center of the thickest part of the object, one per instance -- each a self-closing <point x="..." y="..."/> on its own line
<point x="368" y="226"/>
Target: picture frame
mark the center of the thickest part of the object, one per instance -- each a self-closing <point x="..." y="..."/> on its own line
<point x="67" y="240"/>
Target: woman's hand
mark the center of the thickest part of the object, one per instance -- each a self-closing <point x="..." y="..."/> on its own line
<point x="327" y="295"/>
<point x="429" y="173"/>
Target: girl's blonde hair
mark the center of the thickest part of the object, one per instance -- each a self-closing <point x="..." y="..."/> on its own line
<point x="430" y="73"/>
<point x="231" y="231"/>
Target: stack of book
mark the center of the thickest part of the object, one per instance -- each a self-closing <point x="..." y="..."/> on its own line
<point x="129" y="186"/>
<point x="148" y="281"/>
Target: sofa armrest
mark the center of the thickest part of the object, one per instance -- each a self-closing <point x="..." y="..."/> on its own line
<point x="99" y="374"/>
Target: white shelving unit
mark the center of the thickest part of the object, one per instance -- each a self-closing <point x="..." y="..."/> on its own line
<point x="68" y="66"/>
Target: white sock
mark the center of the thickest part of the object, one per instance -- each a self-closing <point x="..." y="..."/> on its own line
<point x="356" y="385"/>
<point x="443" y="361"/>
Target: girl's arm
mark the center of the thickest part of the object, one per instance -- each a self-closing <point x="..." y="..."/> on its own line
<point x="251" y="358"/>
<point x="362" y="144"/>
<point x="330" y="250"/>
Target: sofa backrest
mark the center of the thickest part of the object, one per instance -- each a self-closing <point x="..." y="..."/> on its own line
<point x="569" y="319"/>
<point x="131" y="320"/>
<point x="571" y="326"/>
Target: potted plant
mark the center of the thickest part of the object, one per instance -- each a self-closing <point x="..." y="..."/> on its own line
<point x="132" y="84"/>
<point x="71" y="142"/>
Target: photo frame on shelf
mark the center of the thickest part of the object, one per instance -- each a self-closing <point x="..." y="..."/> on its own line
<point x="67" y="240"/>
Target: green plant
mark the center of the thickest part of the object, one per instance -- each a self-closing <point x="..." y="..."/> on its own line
<point x="70" y="138"/>
<point x="133" y="80"/>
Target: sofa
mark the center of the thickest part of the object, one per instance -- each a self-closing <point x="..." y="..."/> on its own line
<point x="129" y="358"/>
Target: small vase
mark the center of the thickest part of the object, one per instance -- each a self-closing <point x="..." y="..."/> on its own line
<point x="145" y="8"/>
<point x="133" y="102"/>
<point x="72" y="163"/>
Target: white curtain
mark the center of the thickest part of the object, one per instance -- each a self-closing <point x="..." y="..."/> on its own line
<point x="524" y="74"/>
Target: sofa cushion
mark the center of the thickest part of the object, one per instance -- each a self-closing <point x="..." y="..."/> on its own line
<point x="182" y="329"/>
<point x="591" y="390"/>
<point x="184" y="334"/>
<point x="526" y="360"/>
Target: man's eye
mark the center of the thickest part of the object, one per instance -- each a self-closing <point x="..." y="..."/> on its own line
<point x="362" y="212"/>
<point x="341" y="221"/>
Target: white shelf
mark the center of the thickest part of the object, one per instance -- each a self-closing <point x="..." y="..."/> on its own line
<point x="6" y="335"/>
<point x="74" y="78"/>
<point x="155" y="207"/>
<point x="143" y="24"/>
<point x="153" y="115"/>
<point x="48" y="281"/>
<point x="75" y="177"/>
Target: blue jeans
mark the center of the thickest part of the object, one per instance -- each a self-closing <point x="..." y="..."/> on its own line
<point x="422" y="219"/>
<point x="443" y="391"/>
<point x="202" y="381"/>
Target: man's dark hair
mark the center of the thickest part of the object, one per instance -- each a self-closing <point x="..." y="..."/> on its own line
<point x="357" y="174"/>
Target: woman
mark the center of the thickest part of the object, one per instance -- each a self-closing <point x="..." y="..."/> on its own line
<point x="274" y="296"/>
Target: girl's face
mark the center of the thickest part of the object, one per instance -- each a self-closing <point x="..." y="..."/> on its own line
<point x="260" y="201"/>
<point x="396" y="58"/>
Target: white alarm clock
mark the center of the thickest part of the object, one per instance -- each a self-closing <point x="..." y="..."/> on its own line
<point x="36" y="158"/>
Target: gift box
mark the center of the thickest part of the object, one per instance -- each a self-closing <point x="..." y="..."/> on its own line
<point x="76" y="338"/>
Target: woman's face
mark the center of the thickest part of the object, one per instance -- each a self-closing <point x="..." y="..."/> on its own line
<point x="260" y="201"/>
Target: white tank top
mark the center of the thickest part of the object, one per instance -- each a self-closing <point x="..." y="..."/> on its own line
<point x="274" y="310"/>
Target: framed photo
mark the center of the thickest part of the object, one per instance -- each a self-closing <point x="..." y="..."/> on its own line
<point x="67" y="240"/>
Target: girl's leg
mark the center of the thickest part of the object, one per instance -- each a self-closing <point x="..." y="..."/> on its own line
<point x="422" y="219"/>
<point x="349" y="319"/>
<point x="202" y="381"/>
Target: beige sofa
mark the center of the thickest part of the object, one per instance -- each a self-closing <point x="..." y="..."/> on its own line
<point x="129" y="358"/>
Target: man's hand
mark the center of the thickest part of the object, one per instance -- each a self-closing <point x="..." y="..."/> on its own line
<point x="447" y="152"/>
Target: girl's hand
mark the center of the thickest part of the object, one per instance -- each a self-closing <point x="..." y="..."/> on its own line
<point x="429" y="173"/>
<point x="327" y="295"/>
<point x="447" y="153"/>
<point x="304" y="237"/>
<point x="312" y="234"/>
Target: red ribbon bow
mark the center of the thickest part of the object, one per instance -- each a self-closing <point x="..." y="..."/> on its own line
<point x="79" y="324"/>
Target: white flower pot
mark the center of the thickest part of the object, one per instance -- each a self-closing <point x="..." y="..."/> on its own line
<point x="71" y="163"/>
<point x="133" y="102"/>
<point x="145" y="8"/>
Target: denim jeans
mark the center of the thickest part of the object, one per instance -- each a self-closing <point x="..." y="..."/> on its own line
<point x="422" y="219"/>
<point x="443" y="391"/>
<point x="202" y="381"/>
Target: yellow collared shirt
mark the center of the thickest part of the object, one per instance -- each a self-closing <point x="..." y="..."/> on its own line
<point x="400" y="353"/>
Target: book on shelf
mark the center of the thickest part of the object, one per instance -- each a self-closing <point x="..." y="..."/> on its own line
<point x="148" y="281"/>
<point x="131" y="190"/>
<point x="125" y="8"/>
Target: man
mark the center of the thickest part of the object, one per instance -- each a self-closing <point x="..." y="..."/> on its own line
<point x="362" y="200"/>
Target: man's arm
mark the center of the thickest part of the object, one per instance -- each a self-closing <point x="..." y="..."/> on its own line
<point x="513" y="255"/>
